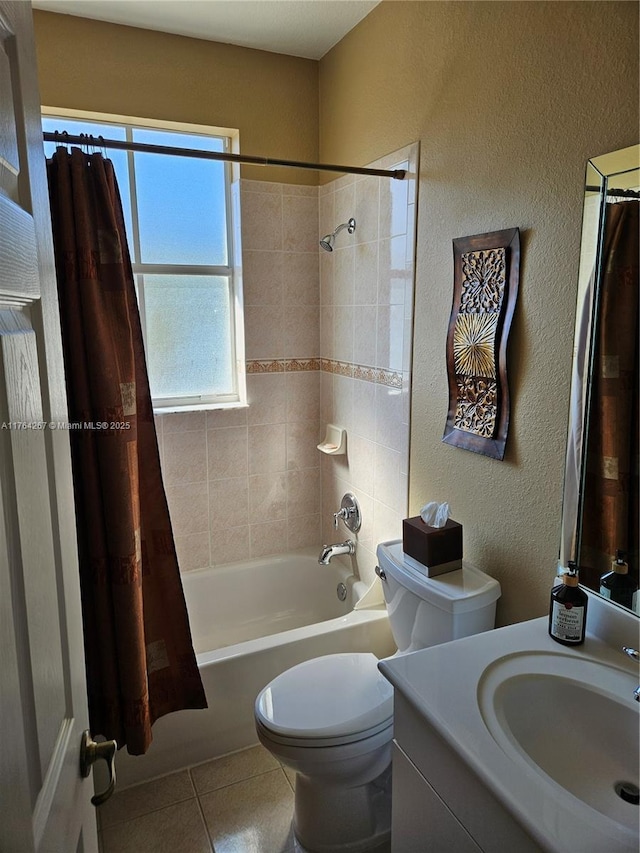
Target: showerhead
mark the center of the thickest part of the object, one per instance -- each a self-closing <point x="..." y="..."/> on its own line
<point x="327" y="241"/>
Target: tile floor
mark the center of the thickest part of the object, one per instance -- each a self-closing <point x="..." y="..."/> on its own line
<point x="240" y="803"/>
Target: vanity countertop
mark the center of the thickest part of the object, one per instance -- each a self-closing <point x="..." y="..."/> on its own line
<point x="447" y="684"/>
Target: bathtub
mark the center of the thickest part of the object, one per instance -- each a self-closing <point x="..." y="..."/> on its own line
<point x="250" y="621"/>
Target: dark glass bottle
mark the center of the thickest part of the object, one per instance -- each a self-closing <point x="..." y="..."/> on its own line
<point x="617" y="585"/>
<point x="568" y="610"/>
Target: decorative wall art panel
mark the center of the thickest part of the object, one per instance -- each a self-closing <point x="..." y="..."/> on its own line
<point x="485" y="290"/>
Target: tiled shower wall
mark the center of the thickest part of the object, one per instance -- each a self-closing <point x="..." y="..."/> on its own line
<point x="366" y="320"/>
<point x="327" y="339"/>
<point x="246" y="482"/>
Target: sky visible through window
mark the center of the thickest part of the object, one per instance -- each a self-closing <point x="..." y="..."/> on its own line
<point x="181" y="222"/>
<point x="181" y="200"/>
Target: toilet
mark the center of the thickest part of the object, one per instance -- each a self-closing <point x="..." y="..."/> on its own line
<point x="330" y="719"/>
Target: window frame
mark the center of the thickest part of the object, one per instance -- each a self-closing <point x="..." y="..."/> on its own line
<point x="231" y="271"/>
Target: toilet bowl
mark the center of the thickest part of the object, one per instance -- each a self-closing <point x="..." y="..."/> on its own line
<point x="330" y="719"/>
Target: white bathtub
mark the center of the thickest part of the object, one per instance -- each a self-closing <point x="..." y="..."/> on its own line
<point x="250" y="621"/>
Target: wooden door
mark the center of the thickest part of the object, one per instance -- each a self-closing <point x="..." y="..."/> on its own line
<point x="44" y="802"/>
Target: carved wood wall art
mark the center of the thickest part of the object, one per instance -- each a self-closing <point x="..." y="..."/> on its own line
<point x="485" y="290"/>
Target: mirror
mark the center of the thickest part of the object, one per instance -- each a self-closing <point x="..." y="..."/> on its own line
<point x="600" y="505"/>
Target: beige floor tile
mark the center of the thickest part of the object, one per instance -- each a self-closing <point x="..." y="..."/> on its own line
<point x="253" y="816"/>
<point x="232" y="768"/>
<point x="175" y="829"/>
<point x="291" y="777"/>
<point x="148" y="797"/>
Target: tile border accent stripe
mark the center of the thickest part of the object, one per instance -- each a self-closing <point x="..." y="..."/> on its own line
<point x="377" y="375"/>
<point x="282" y="365"/>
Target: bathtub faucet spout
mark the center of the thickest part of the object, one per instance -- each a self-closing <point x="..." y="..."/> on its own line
<point x="329" y="551"/>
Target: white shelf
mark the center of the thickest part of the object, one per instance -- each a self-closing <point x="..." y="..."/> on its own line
<point x="334" y="442"/>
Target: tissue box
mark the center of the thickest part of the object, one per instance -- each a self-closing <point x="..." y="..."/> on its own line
<point x="437" y="549"/>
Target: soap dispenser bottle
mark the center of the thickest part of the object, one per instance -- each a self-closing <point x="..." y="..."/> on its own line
<point x="568" y="610"/>
<point x="618" y="585"/>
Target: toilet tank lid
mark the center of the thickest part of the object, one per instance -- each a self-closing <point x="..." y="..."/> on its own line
<point x="456" y="592"/>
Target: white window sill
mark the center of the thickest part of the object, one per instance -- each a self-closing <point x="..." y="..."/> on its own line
<point x="198" y="407"/>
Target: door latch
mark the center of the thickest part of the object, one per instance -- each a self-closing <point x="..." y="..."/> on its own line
<point x="90" y="752"/>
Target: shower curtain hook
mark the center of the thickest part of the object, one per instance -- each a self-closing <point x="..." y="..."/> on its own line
<point x="62" y="139"/>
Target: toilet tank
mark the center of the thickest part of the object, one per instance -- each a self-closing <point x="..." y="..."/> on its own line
<point x="426" y="611"/>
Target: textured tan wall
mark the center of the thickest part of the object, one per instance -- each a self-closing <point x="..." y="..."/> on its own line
<point x="508" y="100"/>
<point x="272" y="99"/>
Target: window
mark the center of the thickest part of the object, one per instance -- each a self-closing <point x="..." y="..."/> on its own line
<point x="178" y="214"/>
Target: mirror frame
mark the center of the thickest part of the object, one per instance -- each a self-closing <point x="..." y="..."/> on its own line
<point x="600" y="172"/>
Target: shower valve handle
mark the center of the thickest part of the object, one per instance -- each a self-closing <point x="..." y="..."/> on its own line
<point x="349" y="512"/>
<point x="342" y="513"/>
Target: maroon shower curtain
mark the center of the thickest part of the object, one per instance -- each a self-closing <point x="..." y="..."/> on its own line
<point x="140" y="661"/>
<point x="610" y="504"/>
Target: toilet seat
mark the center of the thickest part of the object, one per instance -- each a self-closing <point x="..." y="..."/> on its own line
<point x="327" y="701"/>
<point x="385" y="728"/>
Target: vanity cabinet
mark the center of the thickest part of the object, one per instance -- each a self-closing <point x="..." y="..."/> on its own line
<point x="420" y="819"/>
<point x="439" y="805"/>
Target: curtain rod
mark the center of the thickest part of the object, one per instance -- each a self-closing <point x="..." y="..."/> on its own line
<point x="614" y="192"/>
<point x="99" y="142"/>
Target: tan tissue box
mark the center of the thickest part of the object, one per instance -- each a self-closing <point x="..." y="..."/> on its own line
<point x="438" y="549"/>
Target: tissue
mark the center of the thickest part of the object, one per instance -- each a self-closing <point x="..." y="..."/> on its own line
<point x="435" y="514"/>
<point x="432" y="541"/>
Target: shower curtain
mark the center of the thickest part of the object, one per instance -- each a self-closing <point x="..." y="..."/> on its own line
<point x="140" y="662"/>
<point x="610" y="504"/>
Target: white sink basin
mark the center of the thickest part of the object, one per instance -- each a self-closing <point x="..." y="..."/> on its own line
<point x="574" y="721"/>
<point x="546" y="731"/>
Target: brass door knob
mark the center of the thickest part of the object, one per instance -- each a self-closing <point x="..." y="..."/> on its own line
<point x="90" y="752"/>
